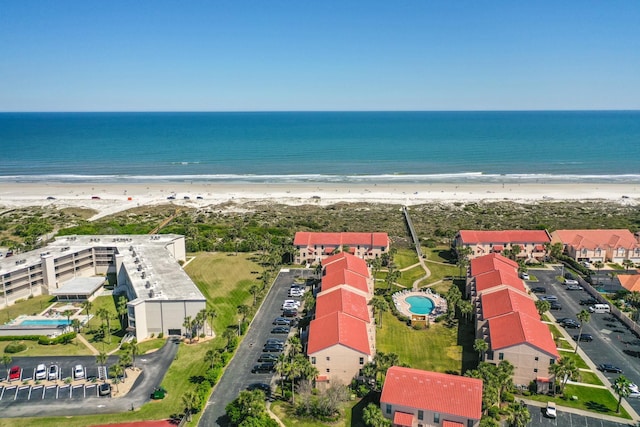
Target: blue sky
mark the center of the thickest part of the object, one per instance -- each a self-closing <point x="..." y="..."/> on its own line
<point x="322" y="55"/>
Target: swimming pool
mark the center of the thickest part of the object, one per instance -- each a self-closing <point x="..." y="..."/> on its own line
<point x="44" y="322"/>
<point x="419" y="304"/>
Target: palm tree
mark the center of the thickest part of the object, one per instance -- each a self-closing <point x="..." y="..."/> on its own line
<point x="598" y="265"/>
<point x="188" y="326"/>
<point x="122" y="308"/>
<point x="542" y="306"/>
<point x="380" y="305"/>
<point x="101" y="358"/>
<point x="229" y="334"/>
<point x="295" y="345"/>
<point x="105" y="316"/>
<point x="392" y="275"/>
<point x="566" y="369"/>
<point x="453" y="296"/>
<point x="134" y="350"/>
<point x="75" y="324"/>
<point x="86" y="306"/>
<point x="254" y="289"/>
<point x="243" y="310"/>
<point x="212" y="357"/>
<point x="466" y="308"/>
<point x="211" y="314"/>
<point x="373" y="417"/>
<point x="504" y="378"/>
<point x="583" y="317"/>
<point x="480" y="346"/>
<point x="627" y="264"/>
<point x="621" y="388"/>
<point x="68" y="313"/>
<point x="118" y="370"/>
<point x="463" y="258"/>
<point x="519" y="415"/>
<point x="515" y="250"/>
<point x="369" y="371"/>
<point x="556" y="250"/>
<point x="191" y="401"/>
<point x="6" y="360"/>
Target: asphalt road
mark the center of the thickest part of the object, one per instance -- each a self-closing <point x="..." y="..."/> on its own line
<point x="613" y="342"/>
<point x="64" y="400"/>
<point x="238" y="374"/>
<point x="568" y="419"/>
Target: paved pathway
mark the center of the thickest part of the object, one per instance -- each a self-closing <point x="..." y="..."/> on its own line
<point x="84" y="341"/>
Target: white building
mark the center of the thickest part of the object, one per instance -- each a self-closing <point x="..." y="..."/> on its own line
<point x="147" y="270"/>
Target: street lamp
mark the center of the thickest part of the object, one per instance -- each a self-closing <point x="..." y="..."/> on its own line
<point x="239" y="327"/>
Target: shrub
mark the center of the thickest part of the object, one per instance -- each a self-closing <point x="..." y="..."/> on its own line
<point x="508" y="397"/>
<point x="160" y="335"/>
<point x="125" y="346"/>
<point x="15" y="347"/>
<point x="494" y="412"/>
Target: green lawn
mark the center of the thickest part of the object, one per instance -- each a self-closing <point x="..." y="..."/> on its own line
<point x="596" y="400"/>
<point x="433" y="349"/>
<point x="408" y="277"/>
<point x="109" y="343"/>
<point x="34" y="349"/>
<point x="588" y="377"/>
<point x="224" y="279"/>
<point x="440" y="271"/>
<point x="439" y="254"/>
<point x="405" y="257"/>
<point x="28" y="306"/>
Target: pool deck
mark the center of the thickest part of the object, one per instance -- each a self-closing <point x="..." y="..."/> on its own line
<point x="439" y="303"/>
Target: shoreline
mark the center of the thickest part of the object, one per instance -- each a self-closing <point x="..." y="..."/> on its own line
<point x="109" y="198"/>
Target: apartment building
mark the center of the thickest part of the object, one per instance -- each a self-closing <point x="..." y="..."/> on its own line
<point x="531" y="243"/>
<point x="313" y="248"/>
<point x="599" y="245"/>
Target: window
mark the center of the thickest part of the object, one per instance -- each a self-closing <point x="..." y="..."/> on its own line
<point x="388" y="410"/>
<point x="501" y="356"/>
<point x="552" y="361"/>
<point x="421" y="415"/>
<point x="489" y="355"/>
<point x="328" y="371"/>
<point x="535" y="370"/>
<point x="362" y="360"/>
<point x="328" y="358"/>
<point x="436" y="417"/>
<point x="313" y="360"/>
<point x="536" y="358"/>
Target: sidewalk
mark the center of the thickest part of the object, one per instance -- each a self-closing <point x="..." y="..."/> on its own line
<point x="84" y="341"/>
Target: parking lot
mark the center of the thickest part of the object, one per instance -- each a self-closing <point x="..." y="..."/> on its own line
<point x="238" y="375"/>
<point x="568" y="419"/>
<point x="612" y="342"/>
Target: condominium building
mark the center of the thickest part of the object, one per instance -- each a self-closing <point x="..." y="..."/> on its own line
<point x="146" y="267"/>
<point x="312" y="248"/>
<point x="531" y="244"/>
<point x="599" y="245"/>
<point x="416" y="398"/>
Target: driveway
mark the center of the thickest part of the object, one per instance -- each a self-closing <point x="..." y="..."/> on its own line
<point x="63" y="400"/>
<point x="613" y="343"/>
<point x="237" y="375"/>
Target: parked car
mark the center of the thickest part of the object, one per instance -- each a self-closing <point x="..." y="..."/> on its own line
<point x="51" y="198"/>
<point x="607" y="367"/>
<point x="15" y="373"/>
<point x="296" y="293"/>
<point x="555" y="305"/>
<point x="264" y="387"/>
<point x="104" y="389"/>
<point x="289" y="307"/>
<point x="634" y="395"/>
<point x="551" y="410"/>
<point x="274" y="341"/>
<point x="633" y="388"/>
<point x="574" y="288"/>
<point x="583" y="337"/>
<point x="539" y="290"/>
<point x="53" y="372"/>
<point x="571" y="324"/>
<point x="586" y="264"/>
<point x="571" y="282"/>
<point x="281" y="321"/>
<point x="78" y="372"/>
<point x="168" y="198"/>
<point x="280" y="330"/>
<point x="263" y="368"/>
<point x="549" y="298"/>
<point x="588" y="301"/>
<point x="272" y="348"/>
<point x="289" y="313"/>
<point x="268" y="357"/>
<point x="41" y="372"/>
<point x="524" y="276"/>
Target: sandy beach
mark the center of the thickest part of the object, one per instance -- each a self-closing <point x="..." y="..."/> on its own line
<point x="112" y="198"/>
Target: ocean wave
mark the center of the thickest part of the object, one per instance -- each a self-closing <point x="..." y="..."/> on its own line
<point x="468" y="177"/>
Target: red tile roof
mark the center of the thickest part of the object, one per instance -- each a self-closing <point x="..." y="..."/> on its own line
<point x="345" y="261"/>
<point x="506" y="301"/>
<point x="402" y="419"/>
<point x="492" y="279"/>
<point x="504" y="236"/>
<point x="433" y="391"/>
<point x="447" y="423"/>
<point x="491" y="262"/>
<point x="630" y="282"/>
<point x="519" y="328"/>
<point x="306" y="238"/>
<point x="338" y="329"/>
<point x="345" y="301"/>
<point x="345" y="277"/>
<point x="593" y="239"/>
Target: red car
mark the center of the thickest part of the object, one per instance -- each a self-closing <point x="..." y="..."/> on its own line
<point x="15" y="373"/>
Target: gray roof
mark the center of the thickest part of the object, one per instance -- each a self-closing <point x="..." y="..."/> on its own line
<point x="80" y="286"/>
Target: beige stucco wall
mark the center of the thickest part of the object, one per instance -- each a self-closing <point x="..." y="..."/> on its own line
<point x="523" y="359"/>
<point x="344" y="363"/>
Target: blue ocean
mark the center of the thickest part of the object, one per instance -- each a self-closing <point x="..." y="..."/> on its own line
<point x="599" y="146"/>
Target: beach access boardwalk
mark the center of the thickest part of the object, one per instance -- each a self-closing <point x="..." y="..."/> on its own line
<point x="416" y="243"/>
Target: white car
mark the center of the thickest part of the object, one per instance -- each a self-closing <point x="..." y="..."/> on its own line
<point x="633" y="388"/>
<point x="292" y="302"/>
<point x="524" y="276"/>
<point x="551" y="410"/>
<point x="53" y="373"/>
<point x="571" y="282"/>
<point x="78" y="372"/>
<point x="634" y="395"/>
<point x="41" y="372"/>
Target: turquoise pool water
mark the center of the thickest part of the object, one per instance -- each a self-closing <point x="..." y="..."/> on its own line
<point x="420" y="304"/>
<point x="44" y="322"/>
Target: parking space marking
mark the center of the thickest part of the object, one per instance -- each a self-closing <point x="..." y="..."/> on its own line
<point x="35" y="387"/>
<point x="18" y="389"/>
<point x="2" y="392"/>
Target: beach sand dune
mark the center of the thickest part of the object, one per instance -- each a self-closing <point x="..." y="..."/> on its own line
<point x="108" y="199"/>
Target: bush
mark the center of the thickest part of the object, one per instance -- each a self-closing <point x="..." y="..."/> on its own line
<point x="508" y="397"/>
<point x="15" y="347"/>
<point x="161" y="335"/>
<point x="125" y="346"/>
<point x="494" y="412"/>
